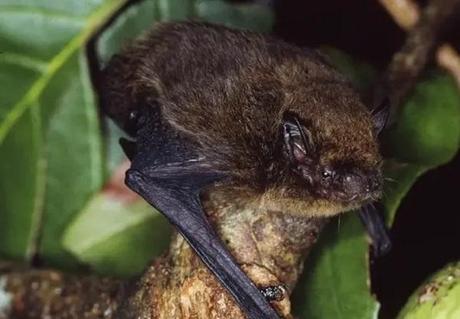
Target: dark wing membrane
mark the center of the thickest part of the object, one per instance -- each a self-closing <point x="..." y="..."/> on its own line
<point x="169" y="175"/>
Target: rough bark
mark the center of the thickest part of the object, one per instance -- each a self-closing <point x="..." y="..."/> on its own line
<point x="269" y="246"/>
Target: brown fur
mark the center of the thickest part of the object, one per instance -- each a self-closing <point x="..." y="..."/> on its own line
<point x="227" y="91"/>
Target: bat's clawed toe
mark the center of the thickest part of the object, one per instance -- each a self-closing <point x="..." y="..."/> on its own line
<point x="273" y="293"/>
<point x="135" y="179"/>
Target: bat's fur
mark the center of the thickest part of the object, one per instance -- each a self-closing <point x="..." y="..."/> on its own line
<point x="227" y="92"/>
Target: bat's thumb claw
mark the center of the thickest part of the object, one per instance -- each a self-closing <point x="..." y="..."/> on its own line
<point x="134" y="179"/>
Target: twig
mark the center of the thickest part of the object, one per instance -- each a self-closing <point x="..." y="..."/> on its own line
<point x="37" y="294"/>
<point x="406" y="13"/>
<point x="448" y="58"/>
<point x="409" y="62"/>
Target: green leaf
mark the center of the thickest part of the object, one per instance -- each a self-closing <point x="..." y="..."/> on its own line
<point x="437" y="298"/>
<point x="21" y="186"/>
<point x="335" y="281"/>
<point x="427" y="129"/>
<point x="250" y="16"/>
<point x="49" y="132"/>
<point x="117" y="238"/>
<point x="175" y="10"/>
<point x="400" y="177"/>
<point x="73" y="161"/>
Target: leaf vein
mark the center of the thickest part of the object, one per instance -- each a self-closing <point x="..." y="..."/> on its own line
<point x="48" y="13"/>
<point x="25" y="61"/>
<point x="94" y="20"/>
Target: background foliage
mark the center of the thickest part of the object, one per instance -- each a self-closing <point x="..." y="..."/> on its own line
<point x="57" y="153"/>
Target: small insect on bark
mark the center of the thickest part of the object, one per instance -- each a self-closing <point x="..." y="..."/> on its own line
<point x="207" y="106"/>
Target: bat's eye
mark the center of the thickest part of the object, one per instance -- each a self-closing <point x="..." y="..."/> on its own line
<point x="327" y="174"/>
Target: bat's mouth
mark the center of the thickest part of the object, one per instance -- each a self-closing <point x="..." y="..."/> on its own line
<point x="350" y="199"/>
<point x="353" y="188"/>
<point x="361" y="198"/>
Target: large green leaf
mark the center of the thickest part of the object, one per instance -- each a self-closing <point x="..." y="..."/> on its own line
<point x="335" y="283"/>
<point x="49" y="132"/>
<point x="174" y="10"/>
<point x="400" y="177"/>
<point x="437" y="298"/>
<point x="117" y="237"/>
<point x="427" y="129"/>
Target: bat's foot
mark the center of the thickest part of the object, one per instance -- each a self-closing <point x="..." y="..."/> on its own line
<point x="273" y="293"/>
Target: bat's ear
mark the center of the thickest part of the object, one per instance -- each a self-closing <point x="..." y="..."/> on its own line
<point x="298" y="140"/>
<point x="381" y="114"/>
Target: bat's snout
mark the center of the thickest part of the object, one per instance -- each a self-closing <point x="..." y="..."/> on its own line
<point x="355" y="186"/>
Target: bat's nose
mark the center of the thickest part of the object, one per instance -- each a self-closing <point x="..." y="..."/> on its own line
<point x="352" y="183"/>
<point x="357" y="185"/>
<point x="374" y="184"/>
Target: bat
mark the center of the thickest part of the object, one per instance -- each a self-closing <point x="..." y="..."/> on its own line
<point x="208" y="106"/>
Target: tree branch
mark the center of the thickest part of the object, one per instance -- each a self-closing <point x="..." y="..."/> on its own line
<point x="26" y="293"/>
<point x="410" y="61"/>
<point x="406" y="13"/>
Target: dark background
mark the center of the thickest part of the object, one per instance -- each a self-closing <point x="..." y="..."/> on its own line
<point x="426" y="232"/>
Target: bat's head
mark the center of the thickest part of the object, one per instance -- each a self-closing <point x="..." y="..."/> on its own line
<point x="330" y="171"/>
<point x="329" y="153"/>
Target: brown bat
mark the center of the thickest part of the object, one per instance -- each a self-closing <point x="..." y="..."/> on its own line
<point x="209" y="106"/>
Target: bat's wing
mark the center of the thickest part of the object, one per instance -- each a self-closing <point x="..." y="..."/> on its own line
<point x="167" y="173"/>
<point x="376" y="228"/>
